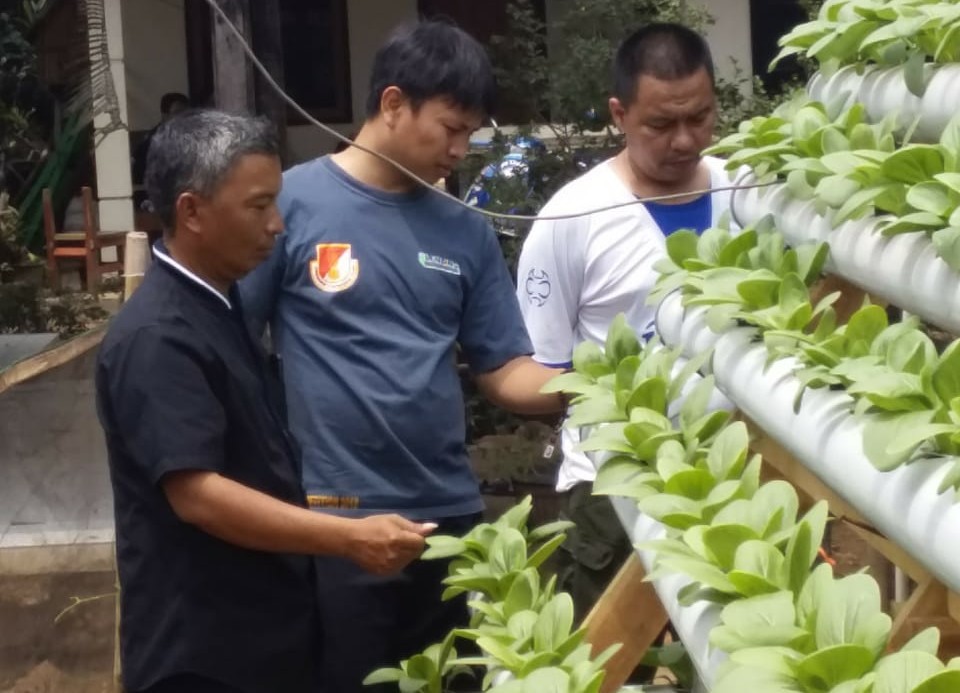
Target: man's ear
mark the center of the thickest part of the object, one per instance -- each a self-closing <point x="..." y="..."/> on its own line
<point x="392" y="103"/>
<point x="188" y="208"/>
<point x="617" y="112"/>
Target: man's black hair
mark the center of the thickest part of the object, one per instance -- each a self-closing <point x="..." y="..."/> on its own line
<point x="168" y="100"/>
<point x="663" y="50"/>
<point x="432" y="59"/>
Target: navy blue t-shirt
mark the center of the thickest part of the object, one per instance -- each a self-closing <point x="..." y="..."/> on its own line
<point x="368" y="294"/>
<point x="696" y="215"/>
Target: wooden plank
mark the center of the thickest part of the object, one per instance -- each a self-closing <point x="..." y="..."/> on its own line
<point x="812" y="488"/>
<point x="931" y="604"/>
<point x="52" y="358"/>
<point x="928" y="606"/>
<point x="630" y="613"/>
<point x="779" y="463"/>
<point x="953" y="606"/>
<point x="789" y="468"/>
<point x="232" y="72"/>
<point x="893" y="553"/>
<point x="851" y="296"/>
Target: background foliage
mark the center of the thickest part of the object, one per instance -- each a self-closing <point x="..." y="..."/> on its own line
<point x="24" y="305"/>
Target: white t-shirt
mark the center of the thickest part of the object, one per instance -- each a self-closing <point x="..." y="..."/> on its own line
<point x="575" y="275"/>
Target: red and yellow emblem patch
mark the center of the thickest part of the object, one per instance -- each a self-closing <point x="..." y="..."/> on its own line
<point x="335" y="268"/>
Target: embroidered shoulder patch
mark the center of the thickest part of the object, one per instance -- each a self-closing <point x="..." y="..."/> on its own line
<point x="335" y="268"/>
<point x="441" y="264"/>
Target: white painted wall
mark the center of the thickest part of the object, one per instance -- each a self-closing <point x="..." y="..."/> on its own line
<point x="112" y="153"/>
<point x="154" y="39"/>
<point x="730" y="38"/>
<point x="369" y="23"/>
<point x="155" y="45"/>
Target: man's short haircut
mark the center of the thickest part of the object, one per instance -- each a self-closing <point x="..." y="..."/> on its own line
<point x="663" y="50"/>
<point x="168" y="100"/>
<point x="194" y="151"/>
<point x="431" y="59"/>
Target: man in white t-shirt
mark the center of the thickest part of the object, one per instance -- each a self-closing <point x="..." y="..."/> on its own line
<point x="575" y="275"/>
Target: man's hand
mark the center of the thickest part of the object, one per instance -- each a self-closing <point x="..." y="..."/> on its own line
<point x="249" y="518"/>
<point x="384" y="544"/>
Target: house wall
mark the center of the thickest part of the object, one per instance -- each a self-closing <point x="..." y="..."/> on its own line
<point x="154" y="41"/>
<point x="112" y="149"/>
<point x="730" y="39"/>
<point x="155" y="44"/>
<point x="369" y="22"/>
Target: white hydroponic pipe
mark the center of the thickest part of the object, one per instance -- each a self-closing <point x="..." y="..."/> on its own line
<point x="692" y="623"/>
<point x="824" y="436"/>
<point x="904" y="270"/>
<point x="882" y="90"/>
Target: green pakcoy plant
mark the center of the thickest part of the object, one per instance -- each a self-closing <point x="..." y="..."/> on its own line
<point x="750" y="278"/>
<point x="581" y="677"/>
<point x="909" y="183"/>
<point x="821" y="350"/>
<point x="424" y="673"/>
<point x="885" y="32"/>
<point x="531" y="640"/>
<point x="491" y="556"/>
<point x="520" y="623"/>
<point x="798" y="135"/>
<point x="852" y="169"/>
<point x="889" y="370"/>
<point x="911" y="403"/>
<point x="919" y="185"/>
<point x="829" y="639"/>
<point x="609" y="384"/>
<point x="751" y="547"/>
<point x="687" y="481"/>
<point x="932" y="200"/>
<point x="651" y="453"/>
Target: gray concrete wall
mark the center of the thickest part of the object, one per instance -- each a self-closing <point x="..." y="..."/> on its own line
<point x="54" y="482"/>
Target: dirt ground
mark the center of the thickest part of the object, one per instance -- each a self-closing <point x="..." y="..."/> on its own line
<point x="74" y="655"/>
<point x="852" y="553"/>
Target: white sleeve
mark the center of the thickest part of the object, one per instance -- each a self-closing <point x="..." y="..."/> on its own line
<point x="549" y="282"/>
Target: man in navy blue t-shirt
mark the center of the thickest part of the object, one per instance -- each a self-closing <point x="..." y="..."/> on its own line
<point x="375" y="283"/>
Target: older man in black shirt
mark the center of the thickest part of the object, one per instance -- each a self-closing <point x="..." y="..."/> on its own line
<point x="217" y="592"/>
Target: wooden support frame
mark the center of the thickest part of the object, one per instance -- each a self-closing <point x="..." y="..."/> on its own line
<point x="931" y="604"/>
<point x="628" y="613"/>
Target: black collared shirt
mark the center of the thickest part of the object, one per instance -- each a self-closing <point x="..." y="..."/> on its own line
<point x="181" y="385"/>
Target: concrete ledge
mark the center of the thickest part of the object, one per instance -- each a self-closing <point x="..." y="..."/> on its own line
<point x="62" y="558"/>
<point x="16" y="347"/>
<point x="52" y="358"/>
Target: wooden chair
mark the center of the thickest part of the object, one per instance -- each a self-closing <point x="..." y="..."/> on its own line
<point x="82" y="245"/>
